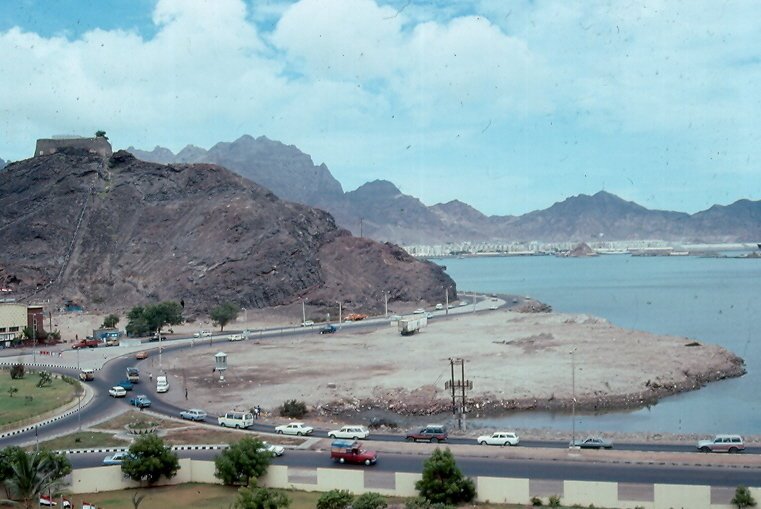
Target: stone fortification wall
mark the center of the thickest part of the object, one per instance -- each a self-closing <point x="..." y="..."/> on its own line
<point x="98" y="145"/>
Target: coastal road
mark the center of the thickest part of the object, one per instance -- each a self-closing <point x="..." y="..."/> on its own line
<point x="532" y="469"/>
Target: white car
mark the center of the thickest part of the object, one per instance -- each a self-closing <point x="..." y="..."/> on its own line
<point x="350" y="432"/>
<point x="418" y="311"/>
<point x="193" y="414"/>
<point x="274" y="450"/>
<point x="307" y="323"/>
<point x="439" y="307"/>
<point x="499" y="438"/>
<point x="235" y="337"/>
<point x="294" y="428"/>
<point x="162" y="384"/>
<point x="202" y="334"/>
<point x="117" y="392"/>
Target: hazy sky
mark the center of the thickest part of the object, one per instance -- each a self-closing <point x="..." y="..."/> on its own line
<point x="509" y="106"/>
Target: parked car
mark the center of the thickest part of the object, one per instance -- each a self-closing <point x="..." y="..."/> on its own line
<point x="274" y="450"/>
<point x="235" y="419"/>
<point x="592" y="443"/>
<point x="344" y="451"/>
<point x="431" y="433"/>
<point x="117" y="391"/>
<point x="307" y="323"/>
<point x="353" y="432"/>
<point x="115" y="459"/>
<point x="125" y="384"/>
<point x="141" y="355"/>
<point x="294" y="428"/>
<point x="499" y="438"/>
<point x="328" y="329"/>
<point x="162" y="384"/>
<point x="235" y="337"/>
<point x="722" y="443"/>
<point x="140" y="401"/>
<point x="193" y="414"/>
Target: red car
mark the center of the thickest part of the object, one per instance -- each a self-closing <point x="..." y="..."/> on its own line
<point x="347" y="451"/>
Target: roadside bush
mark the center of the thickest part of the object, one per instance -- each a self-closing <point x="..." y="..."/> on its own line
<point x="370" y="500"/>
<point x="443" y="482"/>
<point x="335" y="499"/>
<point x="294" y="409"/>
<point x="554" y="501"/>
<point x="536" y="502"/>
<point x="242" y="463"/>
<point x="379" y="422"/>
<point x="17" y="371"/>
<point x="743" y="498"/>
<point x="422" y="503"/>
<point x="253" y="497"/>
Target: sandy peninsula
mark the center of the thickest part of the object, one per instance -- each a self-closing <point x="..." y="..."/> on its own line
<point x="515" y="361"/>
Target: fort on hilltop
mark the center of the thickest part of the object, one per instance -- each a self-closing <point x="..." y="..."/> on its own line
<point x="97" y="145"/>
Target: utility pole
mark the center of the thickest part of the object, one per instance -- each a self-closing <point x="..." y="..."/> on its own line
<point x="573" y="397"/>
<point x="446" y="300"/>
<point x="303" y="311"/>
<point x="340" y="318"/>
<point x="385" y="297"/>
<point x="459" y="407"/>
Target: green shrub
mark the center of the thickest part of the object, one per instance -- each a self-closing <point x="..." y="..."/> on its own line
<point x="536" y="502"/>
<point x="335" y="499"/>
<point x="743" y="498"/>
<point x="443" y="482"/>
<point x="554" y="501"/>
<point x="17" y="371"/>
<point x="294" y="409"/>
<point x="370" y="500"/>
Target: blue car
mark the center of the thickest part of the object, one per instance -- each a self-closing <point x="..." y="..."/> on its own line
<point x="140" y="401"/>
<point x="126" y="384"/>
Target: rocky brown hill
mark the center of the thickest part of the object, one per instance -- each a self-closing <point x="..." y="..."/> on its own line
<point x="119" y="232"/>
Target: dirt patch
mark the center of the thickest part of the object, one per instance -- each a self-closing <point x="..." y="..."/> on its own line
<point x="515" y="361"/>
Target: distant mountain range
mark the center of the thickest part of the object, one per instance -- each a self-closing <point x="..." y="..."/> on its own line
<point x="380" y="211"/>
<point x="2" y="164"/>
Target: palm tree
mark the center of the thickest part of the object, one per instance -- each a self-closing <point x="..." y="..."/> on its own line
<point x="32" y="476"/>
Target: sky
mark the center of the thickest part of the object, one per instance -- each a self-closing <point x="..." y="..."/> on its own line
<point x="507" y="105"/>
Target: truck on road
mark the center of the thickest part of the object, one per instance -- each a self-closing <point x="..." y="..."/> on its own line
<point x="409" y="325"/>
<point x="87" y="343"/>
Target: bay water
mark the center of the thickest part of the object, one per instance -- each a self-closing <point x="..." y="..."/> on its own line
<point x="713" y="300"/>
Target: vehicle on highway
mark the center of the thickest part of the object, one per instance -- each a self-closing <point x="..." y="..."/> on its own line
<point x="140" y="401"/>
<point x="722" y="443"/>
<point x="115" y="459"/>
<point x="235" y="419"/>
<point x="157" y="337"/>
<point x="591" y="443"/>
<point x="350" y="451"/>
<point x="141" y="355"/>
<point x="352" y="431"/>
<point x="499" y="438"/>
<point x="193" y="414"/>
<point x="294" y="428"/>
<point x="133" y="375"/>
<point x="86" y="343"/>
<point x="419" y="311"/>
<point x="439" y="306"/>
<point x="328" y="329"/>
<point x="162" y="384"/>
<point x="87" y="375"/>
<point x="463" y="303"/>
<point x="117" y="391"/>
<point x="202" y="334"/>
<point x="355" y="317"/>
<point x="431" y="433"/>
<point x="235" y="337"/>
<point x="125" y="384"/>
<point x="307" y="323"/>
<point x="274" y="450"/>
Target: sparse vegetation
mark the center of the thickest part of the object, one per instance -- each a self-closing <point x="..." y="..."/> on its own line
<point x="743" y="498"/>
<point x="110" y="321"/>
<point x="294" y="409"/>
<point x="335" y="499"/>
<point x="224" y="314"/>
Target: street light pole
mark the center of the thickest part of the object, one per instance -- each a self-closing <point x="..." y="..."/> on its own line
<point x="303" y="311"/>
<point x="385" y="296"/>
<point x="573" y="397"/>
<point x="446" y="297"/>
<point x="340" y="319"/>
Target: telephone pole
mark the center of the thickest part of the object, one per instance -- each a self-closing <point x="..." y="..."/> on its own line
<point x="458" y="387"/>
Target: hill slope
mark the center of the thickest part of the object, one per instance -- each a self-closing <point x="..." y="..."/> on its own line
<point x="120" y="232"/>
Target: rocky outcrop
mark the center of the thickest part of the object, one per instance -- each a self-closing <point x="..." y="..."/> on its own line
<point x="119" y="232"/>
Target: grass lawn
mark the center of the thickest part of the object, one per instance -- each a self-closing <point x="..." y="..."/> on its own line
<point x="209" y="495"/>
<point x="30" y="401"/>
<point x="84" y="440"/>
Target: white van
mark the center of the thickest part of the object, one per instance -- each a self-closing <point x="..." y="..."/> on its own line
<point x="234" y="419"/>
<point x="162" y="384"/>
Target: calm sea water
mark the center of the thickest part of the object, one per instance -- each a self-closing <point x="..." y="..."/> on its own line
<point x="715" y="300"/>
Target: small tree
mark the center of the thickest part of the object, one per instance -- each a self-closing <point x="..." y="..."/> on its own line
<point x="110" y="321"/>
<point x="32" y="474"/>
<point x="335" y="499"/>
<point x="443" y="482"/>
<point x="252" y="497"/>
<point x="45" y="379"/>
<point x="224" y="314"/>
<point x="151" y="318"/>
<point x="12" y="390"/>
<point x="17" y="371"/>
<point x="370" y="500"/>
<point x="101" y="134"/>
<point x="149" y="459"/>
<point x="743" y="498"/>
<point x="243" y="462"/>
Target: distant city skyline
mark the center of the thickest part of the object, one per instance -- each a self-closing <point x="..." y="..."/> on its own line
<point x="508" y="106"/>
